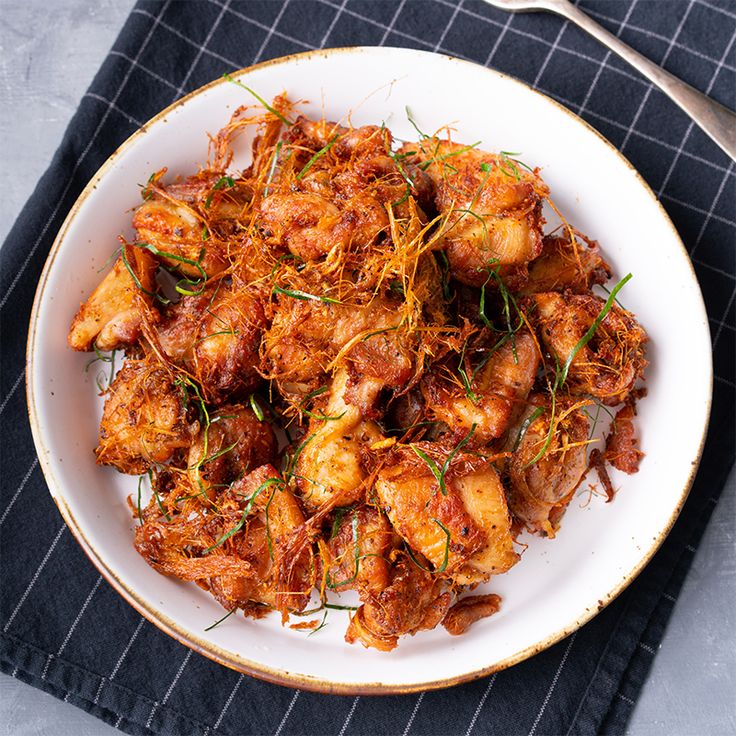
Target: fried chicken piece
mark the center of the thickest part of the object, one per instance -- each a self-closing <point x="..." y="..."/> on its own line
<point x="464" y="531"/>
<point x="169" y="220"/>
<point x="359" y="163"/>
<point x="359" y="547"/>
<point x="144" y="420"/>
<point x="622" y="445"/>
<point x="234" y="443"/>
<point x="414" y="600"/>
<point x="609" y="364"/>
<point x="226" y="354"/>
<point x="276" y="515"/>
<point x="566" y="266"/>
<point x="539" y="490"/>
<point x="178" y="329"/>
<point x="233" y="553"/>
<point x="306" y="335"/>
<point x="492" y="209"/>
<point x="469" y="610"/>
<point x="333" y="193"/>
<point x="113" y="314"/>
<point x="307" y="224"/>
<point x="330" y="463"/>
<point x="496" y="394"/>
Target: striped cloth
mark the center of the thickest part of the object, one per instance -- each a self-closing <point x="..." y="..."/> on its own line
<point x="67" y="632"/>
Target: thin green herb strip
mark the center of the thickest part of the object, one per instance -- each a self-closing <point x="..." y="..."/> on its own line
<point x="259" y="98"/>
<point x="256" y="407"/>
<point x="272" y="170"/>
<point x="443" y="566"/>
<point x="439" y="473"/>
<point x="410" y="117"/>
<point x="220" y="620"/>
<point x="296" y="294"/>
<point x="266" y="483"/>
<point x="322" y="151"/>
<point x="526" y="424"/>
<point x="221" y="183"/>
<point x="585" y="339"/>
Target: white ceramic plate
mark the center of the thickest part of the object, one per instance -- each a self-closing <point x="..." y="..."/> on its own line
<point x="560" y="583"/>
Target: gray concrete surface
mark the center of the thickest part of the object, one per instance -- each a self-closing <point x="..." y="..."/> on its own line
<point x="45" y="67"/>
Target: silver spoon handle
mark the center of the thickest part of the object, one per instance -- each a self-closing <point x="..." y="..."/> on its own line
<point x="716" y="120"/>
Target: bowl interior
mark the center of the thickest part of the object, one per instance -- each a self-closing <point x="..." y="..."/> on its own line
<point x="559" y="583"/>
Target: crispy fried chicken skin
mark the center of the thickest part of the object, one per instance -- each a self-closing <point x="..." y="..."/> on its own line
<point x="609" y="364"/>
<point x="469" y="610"/>
<point x="491" y="208"/>
<point x="356" y="365"/>
<point x="144" y="420"/>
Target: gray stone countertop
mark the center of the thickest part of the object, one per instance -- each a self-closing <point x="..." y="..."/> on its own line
<point x="44" y="71"/>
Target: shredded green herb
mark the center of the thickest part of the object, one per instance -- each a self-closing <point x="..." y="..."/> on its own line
<point x="220" y="620"/>
<point x="585" y="339"/>
<point x="526" y="424"/>
<point x="297" y="294"/>
<point x="158" y="498"/>
<point x="443" y="565"/>
<point x="259" y="98"/>
<point x="410" y="117"/>
<point x="272" y="170"/>
<point x="322" y="416"/>
<point x="222" y="183"/>
<point x="256" y="407"/>
<point x="561" y="373"/>
<point x="437" y="472"/>
<point x="379" y="332"/>
<point x="322" y="625"/>
<point x="140" y="513"/>
<point x="215" y="334"/>
<point x="186" y="285"/>
<point x="248" y="506"/>
<point x="322" y="151"/>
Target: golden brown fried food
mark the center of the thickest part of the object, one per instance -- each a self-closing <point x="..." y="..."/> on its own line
<point x="495" y="393"/>
<point x="174" y="228"/>
<point x="423" y="356"/>
<point x="464" y="528"/>
<point x="414" y="600"/>
<point x="566" y="265"/>
<point x="234" y="442"/>
<point x="330" y="465"/>
<point x="306" y="336"/>
<point x="622" y="444"/>
<point x="492" y="209"/>
<point x="547" y="464"/>
<point x="226" y="351"/>
<point x="608" y="365"/>
<point x="228" y="552"/>
<point x="360" y="544"/>
<point x="113" y="315"/>
<point x="144" y="420"/>
<point x="469" y="610"/>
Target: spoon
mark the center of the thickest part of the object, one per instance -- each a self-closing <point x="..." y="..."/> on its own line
<point x="716" y="120"/>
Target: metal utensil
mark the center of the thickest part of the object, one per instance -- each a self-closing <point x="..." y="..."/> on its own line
<point x="716" y="120"/>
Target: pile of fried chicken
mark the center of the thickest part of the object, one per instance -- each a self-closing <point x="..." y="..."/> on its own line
<point x="356" y="365"/>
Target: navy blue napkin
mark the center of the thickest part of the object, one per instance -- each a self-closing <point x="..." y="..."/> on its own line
<point x="66" y="631"/>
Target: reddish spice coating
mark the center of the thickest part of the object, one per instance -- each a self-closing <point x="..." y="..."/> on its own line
<point x="469" y="610"/>
<point x="403" y="319"/>
<point x="622" y="444"/>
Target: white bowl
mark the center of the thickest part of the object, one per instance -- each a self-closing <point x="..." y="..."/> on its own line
<point x="559" y="584"/>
